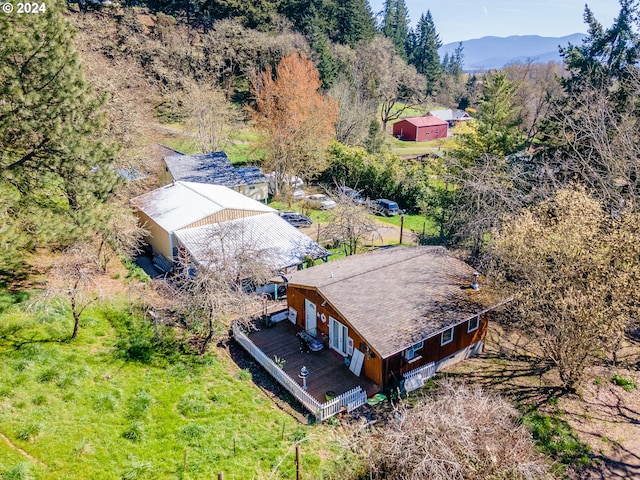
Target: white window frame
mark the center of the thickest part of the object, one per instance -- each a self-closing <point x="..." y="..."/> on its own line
<point x="442" y="341"/>
<point x="477" y="321"/>
<point x="410" y="353"/>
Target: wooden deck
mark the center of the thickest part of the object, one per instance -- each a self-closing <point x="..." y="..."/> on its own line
<point x="327" y="369"/>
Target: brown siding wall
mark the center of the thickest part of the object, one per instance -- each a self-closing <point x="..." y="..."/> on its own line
<point x="432" y="351"/>
<point x="371" y="367"/>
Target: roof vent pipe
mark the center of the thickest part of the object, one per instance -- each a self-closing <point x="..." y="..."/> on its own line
<point x="474" y="284"/>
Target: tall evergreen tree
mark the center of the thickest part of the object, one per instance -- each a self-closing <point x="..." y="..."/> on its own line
<point x="591" y="136"/>
<point x="423" y="52"/>
<point x="452" y="64"/>
<point x="52" y="165"/>
<point x="608" y="56"/>
<point x="496" y="131"/>
<point x="354" y="22"/>
<point x="327" y="66"/>
<point x="395" y="25"/>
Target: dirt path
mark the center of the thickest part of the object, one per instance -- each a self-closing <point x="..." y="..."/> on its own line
<point x="20" y="451"/>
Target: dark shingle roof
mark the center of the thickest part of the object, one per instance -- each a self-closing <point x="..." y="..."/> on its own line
<point x="213" y="168"/>
<point x="399" y="296"/>
<point x="252" y="175"/>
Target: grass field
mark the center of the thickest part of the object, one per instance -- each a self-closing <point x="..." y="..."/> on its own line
<point x="116" y="404"/>
<point x="415" y="223"/>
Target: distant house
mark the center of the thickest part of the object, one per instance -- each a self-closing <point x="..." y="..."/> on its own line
<point x="393" y="311"/>
<point x="420" y="129"/>
<point x="451" y="116"/>
<point x="214" y="169"/>
<point x="191" y="216"/>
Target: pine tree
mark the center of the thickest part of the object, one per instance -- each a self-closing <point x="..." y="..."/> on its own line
<point x="326" y="64"/>
<point x="496" y="131"/>
<point x="395" y="25"/>
<point x="354" y="22"/>
<point x="423" y="52"/>
<point x="52" y="165"/>
<point x="607" y="56"/>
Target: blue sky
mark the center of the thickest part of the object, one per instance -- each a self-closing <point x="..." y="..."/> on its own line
<point x="457" y="20"/>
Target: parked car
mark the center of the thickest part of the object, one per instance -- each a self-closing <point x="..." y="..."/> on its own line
<point x="296" y="219"/>
<point x="351" y="193"/>
<point x="386" y="207"/>
<point x="294" y="182"/>
<point x="320" y="201"/>
<point x="272" y="291"/>
<point x="298" y="194"/>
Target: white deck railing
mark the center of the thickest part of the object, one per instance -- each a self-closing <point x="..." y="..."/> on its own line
<point x="349" y="400"/>
<point x="418" y="377"/>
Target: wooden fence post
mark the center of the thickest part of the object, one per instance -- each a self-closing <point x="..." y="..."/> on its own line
<point x="298" y="465"/>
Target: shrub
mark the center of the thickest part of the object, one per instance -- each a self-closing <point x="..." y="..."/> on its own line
<point x="18" y="472"/>
<point x="138" y="469"/>
<point x="139" y="405"/>
<point x="459" y="433"/>
<point x="136" y="348"/>
<point x="28" y="432"/>
<point x="628" y="384"/>
<point x="105" y="402"/>
<point x="135" y="432"/>
<point x="193" y="405"/>
<point x="193" y="433"/>
<point x="49" y="375"/>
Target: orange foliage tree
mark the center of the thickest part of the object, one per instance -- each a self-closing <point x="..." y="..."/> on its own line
<point x="297" y="119"/>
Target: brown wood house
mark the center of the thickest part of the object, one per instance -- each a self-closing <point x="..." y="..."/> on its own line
<point x="393" y="310"/>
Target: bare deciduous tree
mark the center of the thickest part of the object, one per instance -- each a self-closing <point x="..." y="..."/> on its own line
<point x="459" y="433"/>
<point x="595" y="142"/>
<point x="213" y="289"/>
<point x="350" y="223"/>
<point x="355" y="112"/>
<point x="572" y="267"/>
<point x="119" y="234"/>
<point x="73" y="276"/>
<point x="210" y="116"/>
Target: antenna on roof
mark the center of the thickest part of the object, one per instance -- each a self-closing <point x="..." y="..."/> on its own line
<point x="474" y="284"/>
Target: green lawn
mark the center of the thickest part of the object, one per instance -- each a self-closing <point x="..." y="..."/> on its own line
<point x="416" y="223"/>
<point x="85" y="409"/>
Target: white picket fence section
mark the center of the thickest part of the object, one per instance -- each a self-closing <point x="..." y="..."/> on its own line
<point x="349" y="400"/>
<point x="418" y="377"/>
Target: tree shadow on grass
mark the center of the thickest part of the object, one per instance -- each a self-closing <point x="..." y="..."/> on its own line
<point x="518" y="377"/>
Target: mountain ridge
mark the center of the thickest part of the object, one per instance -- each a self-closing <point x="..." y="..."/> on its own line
<point x="493" y="52"/>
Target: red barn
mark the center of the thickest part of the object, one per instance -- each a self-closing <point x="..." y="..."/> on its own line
<point x="420" y="129"/>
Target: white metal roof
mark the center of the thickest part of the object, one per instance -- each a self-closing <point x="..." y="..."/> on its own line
<point x="179" y="204"/>
<point x="265" y="236"/>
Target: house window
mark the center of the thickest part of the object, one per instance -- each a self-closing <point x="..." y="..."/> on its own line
<point x="437" y="132"/>
<point x="473" y="324"/>
<point x="411" y="353"/>
<point x="446" y="336"/>
<point x="338" y="337"/>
